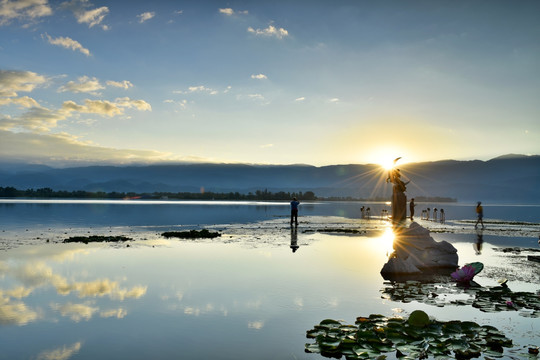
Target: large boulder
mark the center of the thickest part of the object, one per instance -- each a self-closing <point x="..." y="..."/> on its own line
<point x="417" y="253"/>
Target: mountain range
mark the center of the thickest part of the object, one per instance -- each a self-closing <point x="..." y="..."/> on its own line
<point x="505" y="179"/>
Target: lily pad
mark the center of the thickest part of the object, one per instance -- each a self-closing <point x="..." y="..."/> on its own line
<point x="377" y="335"/>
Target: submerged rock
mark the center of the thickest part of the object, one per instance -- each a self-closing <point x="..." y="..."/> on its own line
<point x="416" y="253"/>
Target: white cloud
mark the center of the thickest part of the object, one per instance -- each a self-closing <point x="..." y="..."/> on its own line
<point x="23" y="9"/>
<point x="146" y="16"/>
<point x="63" y="353"/>
<point x="67" y="43"/>
<point x="226" y="11"/>
<point x="66" y="149"/>
<point x="334" y="100"/>
<point x="85" y="85"/>
<point x="300" y="99"/>
<point x="120" y="84"/>
<point x="230" y="12"/>
<point x="91" y="17"/>
<point x="38" y="119"/>
<point x="259" y="76"/>
<point x="13" y="81"/>
<point x="25" y="101"/>
<point x="197" y="89"/>
<point x="270" y="31"/>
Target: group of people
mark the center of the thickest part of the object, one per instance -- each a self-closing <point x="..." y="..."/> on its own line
<point x="438" y="215"/>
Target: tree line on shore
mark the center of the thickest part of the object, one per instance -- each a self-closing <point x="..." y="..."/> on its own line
<point x="11" y="192"/>
<point x="48" y="193"/>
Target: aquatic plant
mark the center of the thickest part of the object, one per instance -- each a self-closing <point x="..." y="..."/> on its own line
<point x="375" y="335"/>
<point x="191" y="234"/>
<point x="96" y="238"/>
<point x="466" y="273"/>
<point x="492" y="299"/>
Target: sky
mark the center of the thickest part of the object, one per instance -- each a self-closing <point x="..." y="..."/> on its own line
<point x="267" y="82"/>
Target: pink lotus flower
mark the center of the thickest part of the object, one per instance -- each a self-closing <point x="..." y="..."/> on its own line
<point x="463" y="274"/>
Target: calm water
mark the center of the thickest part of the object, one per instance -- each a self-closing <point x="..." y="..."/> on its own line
<point x="160" y="299"/>
<point x="27" y="213"/>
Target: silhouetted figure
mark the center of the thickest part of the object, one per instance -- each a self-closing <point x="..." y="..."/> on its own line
<point x="479" y="241"/>
<point x="368" y="213"/>
<point x="442" y="216"/>
<point x="411" y="208"/>
<point x="294" y="211"/>
<point x="363" y="212"/>
<point x="434" y="214"/>
<point x="479" y="215"/>
<point x="294" y="239"/>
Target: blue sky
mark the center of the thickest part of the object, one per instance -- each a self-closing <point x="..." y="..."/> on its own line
<point x="277" y="82"/>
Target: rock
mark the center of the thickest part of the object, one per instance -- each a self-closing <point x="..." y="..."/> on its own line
<point x="416" y="252"/>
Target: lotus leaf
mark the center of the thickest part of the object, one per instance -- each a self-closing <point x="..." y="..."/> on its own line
<point x="376" y="335"/>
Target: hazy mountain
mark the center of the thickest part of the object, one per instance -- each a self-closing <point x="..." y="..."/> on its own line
<point x="509" y="178"/>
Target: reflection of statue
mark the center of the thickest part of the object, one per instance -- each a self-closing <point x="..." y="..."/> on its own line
<point x="399" y="200"/>
<point x="294" y="239"/>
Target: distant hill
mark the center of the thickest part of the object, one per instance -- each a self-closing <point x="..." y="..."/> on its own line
<point x="507" y="179"/>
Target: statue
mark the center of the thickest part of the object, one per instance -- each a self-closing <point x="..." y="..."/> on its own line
<point x="399" y="200"/>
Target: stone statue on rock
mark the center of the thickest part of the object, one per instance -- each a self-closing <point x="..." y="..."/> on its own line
<point x="417" y="253"/>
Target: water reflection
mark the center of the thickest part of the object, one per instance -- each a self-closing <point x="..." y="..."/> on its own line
<point x="477" y="246"/>
<point x="61" y="353"/>
<point x="294" y="238"/>
<point x="29" y="276"/>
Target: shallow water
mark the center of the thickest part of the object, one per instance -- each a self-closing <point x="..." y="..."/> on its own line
<point x="244" y="295"/>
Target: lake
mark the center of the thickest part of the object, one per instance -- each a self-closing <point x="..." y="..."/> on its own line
<point x="245" y="295"/>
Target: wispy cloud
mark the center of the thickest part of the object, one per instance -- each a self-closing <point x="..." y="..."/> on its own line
<point x="300" y="99"/>
<point x="62" y="353"/>
<point x="84" y="85"/>
<point x="146" y="16"/>
<point x="67" y="43"/>
<point x="270" y="31"/>
<point x="91" y="17"/>
<point x="197" y="89"/>
<point x="230" y="12"/>
<point x="120" y="84"/>
<point x="259" y="77"/>
<point x="22" y="10"/>
<point x="105" y="107"/>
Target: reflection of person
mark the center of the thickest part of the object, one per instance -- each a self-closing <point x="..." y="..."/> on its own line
<point x="363" y="212"/>
<point x="294" y="211"/>
<point x="443" y="216"/>
<point x="479" y="241"/>
<point x="294" y="239"/>
<point x="411" y="208"/>
<point x="435" y="214"/>
<point x="479" y="215"/>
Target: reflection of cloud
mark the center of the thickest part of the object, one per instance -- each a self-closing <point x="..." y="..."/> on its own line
<point x="257" y="325"/>
<point x="63" y="353"/>
<point x="15" y="313"/>
<point x="76" y="312"/>
<point x="99" y="288"/>
<point x="18" y="292"/>
<point x="116" y="313"/>
<point x="299" y="302"/>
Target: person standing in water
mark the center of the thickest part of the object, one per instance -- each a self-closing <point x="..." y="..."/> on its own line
<point x="294" y="211"/>
<point x="479" y="215"/>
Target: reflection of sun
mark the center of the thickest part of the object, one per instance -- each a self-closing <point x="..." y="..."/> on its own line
<point x="387" y="239"/>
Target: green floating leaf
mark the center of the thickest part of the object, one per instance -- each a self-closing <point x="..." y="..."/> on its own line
<point x="372" y="336"/>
